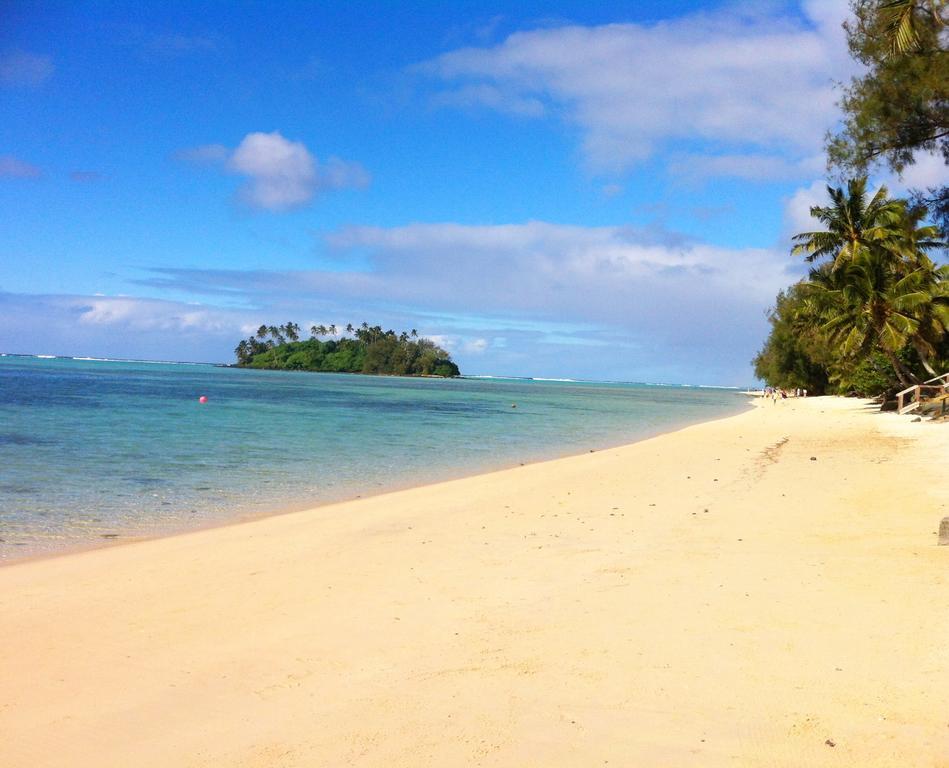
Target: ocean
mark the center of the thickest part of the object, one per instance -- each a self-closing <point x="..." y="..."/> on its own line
<point x="92" y="451"/>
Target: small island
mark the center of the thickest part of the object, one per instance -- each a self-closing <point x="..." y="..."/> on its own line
<point x="365" y="349"/>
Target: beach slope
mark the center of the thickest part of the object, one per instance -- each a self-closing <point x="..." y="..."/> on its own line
<point x="761" y="590"/>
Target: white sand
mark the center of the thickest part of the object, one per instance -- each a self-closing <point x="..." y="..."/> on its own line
<point x="709" y="597"/>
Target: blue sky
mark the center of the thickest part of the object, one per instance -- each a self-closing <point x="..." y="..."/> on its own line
<point x="594" y="190"/>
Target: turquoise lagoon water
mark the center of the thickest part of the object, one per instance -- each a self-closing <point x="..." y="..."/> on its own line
<point x="94" y="450"/>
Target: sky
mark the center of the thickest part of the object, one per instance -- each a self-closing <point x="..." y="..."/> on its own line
<point x="554" y="189"/>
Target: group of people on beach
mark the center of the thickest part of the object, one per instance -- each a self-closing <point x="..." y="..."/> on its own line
<point x="775" y="392"/>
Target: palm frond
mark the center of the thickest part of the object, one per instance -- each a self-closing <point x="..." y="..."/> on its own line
<point x="901" y="27"/>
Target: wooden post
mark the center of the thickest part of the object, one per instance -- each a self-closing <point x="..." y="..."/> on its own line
<point x="944" y="532"/>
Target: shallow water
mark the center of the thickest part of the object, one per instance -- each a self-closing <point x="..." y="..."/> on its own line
<point x="94" y="450"/>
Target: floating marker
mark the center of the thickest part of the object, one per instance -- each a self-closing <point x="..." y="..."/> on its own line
<point x="202" y="399"/>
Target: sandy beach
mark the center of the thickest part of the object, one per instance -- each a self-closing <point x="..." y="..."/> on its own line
<point x="761" y="590"/>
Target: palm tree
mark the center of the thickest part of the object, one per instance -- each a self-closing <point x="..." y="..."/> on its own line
<point x="866" y="305"/>
<point x="931" y="311"/>
<point x="349" y="328"/>
<point x="263" y="332"/>
<point x="276" y="334"/>
<point x="916" y="239"/>
<point x="853" y="224"/>
<point x="292" y="331"/>
<point x="332" y="329"/>
<point x="901" y="20"/>
<point x="879" y="289"/>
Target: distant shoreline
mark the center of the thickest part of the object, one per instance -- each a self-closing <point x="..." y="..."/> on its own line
<point x="473" y="376"/>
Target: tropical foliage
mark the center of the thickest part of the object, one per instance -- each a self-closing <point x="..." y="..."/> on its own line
<point x="900" y="104"/>
<point x="365" y="349"/>
<point x="873" y="313"/>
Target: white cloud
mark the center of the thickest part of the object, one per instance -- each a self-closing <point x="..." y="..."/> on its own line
<point x="14" y="168"/>
<point x="339" y="174"/>
<point x="532" y="298"/>
<point x="132" y="314"/>
<point x="539" y="265"/>
<point x="22" y="69"/>
<point x="484" y="95"/>
<point x="928" y="170"/>
<point x="797" y="208"/>
<point x="656" y="298"/>
<point x="735" y="82"/>
<point x="456" y="343"/>
<point x="120" y="326"/>
<point x="751" y="167"/>
<point x="281" y="174"/>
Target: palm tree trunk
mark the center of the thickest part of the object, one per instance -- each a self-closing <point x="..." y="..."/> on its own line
<point x="923" y="358"/>
<point x="906" y="377"/>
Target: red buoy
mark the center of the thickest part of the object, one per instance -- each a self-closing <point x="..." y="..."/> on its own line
<point x="202" y="399"/>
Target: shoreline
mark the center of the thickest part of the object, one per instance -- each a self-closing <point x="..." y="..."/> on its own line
<point x="710" y="596"/>
<point x="292" y="507"/>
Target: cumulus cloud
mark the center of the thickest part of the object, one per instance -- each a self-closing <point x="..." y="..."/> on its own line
<point x="750" y="167"/>
<point x="13" y="168"/>
<point x="532" y="298"/>
<point x="543" y="287"/>
<point x="137" y="314"/>
<point x="120" y="326"/>
<point x="797" y="208"/>
<point x="23" y="69"/>
<point x="928" y="170"/>
<point x="454" y="343"/>
<point x="484" y="95"/>
<point x="737" y="82"/>
<point x="280" y="174"/>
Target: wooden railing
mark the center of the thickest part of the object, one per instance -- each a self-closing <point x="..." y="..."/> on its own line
<point x="912" y="397"/>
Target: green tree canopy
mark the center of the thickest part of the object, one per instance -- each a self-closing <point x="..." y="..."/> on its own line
<point x="370" y="350"/>
<point x="900" y="105"/>
<point x="874" y="310"/>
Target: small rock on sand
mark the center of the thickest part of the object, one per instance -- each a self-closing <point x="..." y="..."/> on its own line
<point x="944" y="532"/>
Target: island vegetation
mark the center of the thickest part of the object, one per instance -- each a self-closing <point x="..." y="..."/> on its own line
<point x="363" y="349"/>
<point x="872" y="315"/>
